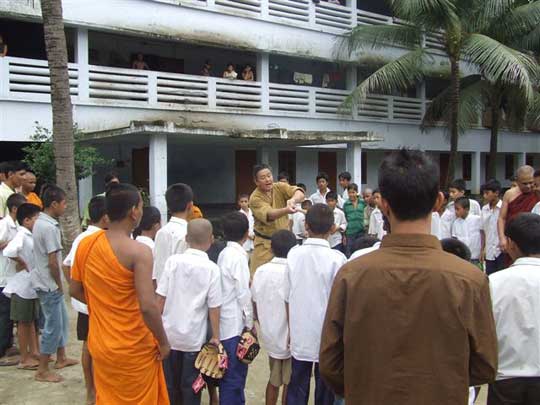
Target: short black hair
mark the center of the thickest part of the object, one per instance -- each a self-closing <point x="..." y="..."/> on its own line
<point x="27" y="210"/>
<point x="120" y="199"/>
<point x="364" y="242"/>
<point x="352" y="186"/>
<point x="52" y="193"/>
<point x="331" y="195"/>
<point x="110" y="177"/>
<point x="243" y="195"/>
<point x="283" y="176"/>
<point x="150" y="217"/>
<point x="235" y="226"/>
<point x="97" y="209"/>
<point x="345" y="176"/>
<point x="458" y="184"/>
<point x="282" y="241"/>
<point x="376" y="191"/>
<point x="524" y="230"/>
<point x="258" y="168"/>
<point x="492" y="185"/>
<point x="3" y="168"/>
<point x="306" y="204"/>
<point x="13" y="166"/>
<point x="178" y="196"/>
<point x="322" y="175"/>
<point x="15" y="200"/>
<point x="457" y="248"/>
<point x="409" y="181"/>
<point x="302" y="186"/>
<point x="320" y="219"/>
<point x="463" y="202"/>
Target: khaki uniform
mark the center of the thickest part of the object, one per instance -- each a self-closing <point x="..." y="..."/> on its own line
<point x="261" y="204"/>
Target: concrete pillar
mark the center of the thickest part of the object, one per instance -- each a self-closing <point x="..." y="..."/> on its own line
<point x="421" y="94"/>
<point x="81" y="58"/>
<point x="158" y="172"/>
<point x="521" y="159"/>
<point x="354" y="162"/>
<point x="269" y="157"/>
<point x="86" y="193"/>
<point x="263" y="76"/>
<point x="476" y="178"/>
<point x="351" y="83"/>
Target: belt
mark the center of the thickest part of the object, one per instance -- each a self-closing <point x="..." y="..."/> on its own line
<point x="260" y="235"/>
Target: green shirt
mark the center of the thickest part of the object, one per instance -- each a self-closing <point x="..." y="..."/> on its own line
<point x="355" y="217"/>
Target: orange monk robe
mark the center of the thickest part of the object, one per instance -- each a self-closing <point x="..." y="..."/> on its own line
<point x="124" y="351"/>
<point x="32" y="198"/>
<point x="195" y="213"/>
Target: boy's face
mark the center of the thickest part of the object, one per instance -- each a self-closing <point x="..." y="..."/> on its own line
<point x="17" y="178"/>
<point x="455" y="193"/>
<point x="461" y="212"/>
<point x="322" y="184"/>
<point x="243" y="203"/>
<point x="377" y="200"/>
<point x="59" y="208"/>
<point x="331" y="202"/>
<point x="343" y="183"/>
<point x="29" y="222"/>
<point x="353" y="195"/>
<point x="490" y="196"/>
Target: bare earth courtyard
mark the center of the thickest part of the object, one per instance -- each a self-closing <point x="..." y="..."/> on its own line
<point x="17" y="387"/>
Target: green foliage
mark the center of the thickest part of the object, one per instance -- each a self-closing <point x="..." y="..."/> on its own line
<point x="40" y="155"/>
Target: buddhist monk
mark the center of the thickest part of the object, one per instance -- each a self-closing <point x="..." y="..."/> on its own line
<point x="112" y="274"/>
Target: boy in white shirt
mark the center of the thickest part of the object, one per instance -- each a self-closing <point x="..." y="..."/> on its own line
<point x="189" y="292"/>
<point x="243" y="204"/>
<point x="298" y="221"/>
<point x="269" y="308"/>
<point x="171" y="239"/>
<point x="467" y="228"/>
<point x="376" y="220"/>
<point x="456" y="189"/>
<point x="340" y="223"/>
<point x="493" y="256"/>
<point x="311" y="269"/>
<point x="236" y="310"/>
<point x="150" y="224"/>
<point x="24" y="300"/>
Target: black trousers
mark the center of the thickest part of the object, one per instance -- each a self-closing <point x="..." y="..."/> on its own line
<point x="6" y="324"/>
<point x="180" y="373"/>
<point x="515" y="391"/>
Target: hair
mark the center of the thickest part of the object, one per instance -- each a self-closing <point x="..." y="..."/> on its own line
<point x="258" y="168"/>
<point x="524" y="230"/>
<point x="150" y="217"/>
<point x="345" y="176"/>
<point x="353" y="187"/>
<point x="364" y="242"/>
<point x="235" y="226"/>
<point x="120" y="199"/>
<point x="457" y="248"/>
<point x="306" y="204"/>
<point x="463" y="202"/>
<point x="376" y="191"/>
<point x="283" y="176"/>
<point x="409" y="181"/>
<point x="15" y="200"/>
<point x="243" y="195"/>
<point x="97" y="209"/>
<point x="199" y="231"/>
<point x="110" y="177"/>
<point x="13" y="166"/>
<point x="178" y="196"/>
<point x="3" y="168"/>
<point x="302" y="186"/>
<point x="331" y="195"/>
<point x="458" y="184"/>
<point x="320" y="219"/>
<point x="27" y="210"/>
<point x="282" y="241"/>
<point x="322" y="175"/>
<point x="230" y="64"/>
<point x="52" y="193"/>
<point x="492" y="185"/>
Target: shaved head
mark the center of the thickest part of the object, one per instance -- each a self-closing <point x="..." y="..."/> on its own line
<point x="525" y="171"/>
<point x="525" y="179"/>
<point x="199" y="232"/>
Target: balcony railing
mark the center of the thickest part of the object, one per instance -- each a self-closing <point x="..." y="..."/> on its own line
<point x="28" y="80"/>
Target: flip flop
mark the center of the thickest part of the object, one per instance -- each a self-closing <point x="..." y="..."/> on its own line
<point x="27" y="367"/>
<point x="10" y="361"/>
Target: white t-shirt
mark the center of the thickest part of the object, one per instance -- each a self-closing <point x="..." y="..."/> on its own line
<point x="339" y="220"/>
<point x="191" y="285"/>
<point x="310" y="272"/>
<point x="170" y="240"/>
<point x="536" y="209"/>
<point x="22" y="245"/>
<point x="376" y="224"/>
<point x="436" y="225"/>
<point x="8" y="230"/>
<point x="267" y="292"/>
<point x="299" y="225"/>
<point x="237" y="309"/>
<point x="468" y="231"/>
<point x="145" y="240"/>
<point x="449" y="216"/>
<point x="248" y="244"/>
<point x="489" y="226"/>
<point x="363" y="252"/>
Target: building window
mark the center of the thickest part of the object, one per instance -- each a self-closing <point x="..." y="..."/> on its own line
<point x="509" y="164"/>
<point x="287" y="163"/>
<point x="467" y="167"/>
<point x="529" y="160"/>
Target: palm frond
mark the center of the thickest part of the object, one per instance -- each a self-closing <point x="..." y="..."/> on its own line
<point x="430" y="14"/>
<point x="530" y="41"/>
<point x="533" y="113"/>
<point x="480" y="14"/>
<point x="515" y="24"/>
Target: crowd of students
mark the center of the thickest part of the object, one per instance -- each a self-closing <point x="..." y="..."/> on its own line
<point x="357" y="294"/>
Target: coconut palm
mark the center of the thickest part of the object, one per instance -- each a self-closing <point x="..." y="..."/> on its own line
<point x="468" y="37"/>
<point x="62" y="114"/>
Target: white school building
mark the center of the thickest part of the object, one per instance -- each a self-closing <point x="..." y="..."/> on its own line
<point x="170" y="123"/>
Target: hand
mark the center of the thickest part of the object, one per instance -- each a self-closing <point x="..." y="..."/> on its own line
<point x="291" y="206"/>
<point x="164" y="351"/>
<point x="482" y="256"/>
<point x="254" y="331"/>
<point x="214" y="341"/>
<point x="503" y="244"/>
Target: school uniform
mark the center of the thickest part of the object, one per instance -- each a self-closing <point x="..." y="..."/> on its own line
<point x="299" y="226"/>
<point x="336" y="239"/>
<point x="436" y="225"/>
<point x="248" y="244"/>
<point x="363" y="252"/>
<point x="310" y="272"/>
<point x="468" y="231"/>
<point x="494" y="256"/>
<point x="236" y="314"/>
<point x="191" y="284"/>
<point x="145" y="240"/>
<point x="8" y="230"/>
<point x="449" y="216"/>
<point x="318" y="197"/>
<point x="170" y="240"/>
<point x="376" y="224"/>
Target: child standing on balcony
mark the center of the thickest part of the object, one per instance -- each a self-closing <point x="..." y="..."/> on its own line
<point x="229" y="72"/>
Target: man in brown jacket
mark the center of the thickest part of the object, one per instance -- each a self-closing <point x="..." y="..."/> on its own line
<point x="408" y="324"/>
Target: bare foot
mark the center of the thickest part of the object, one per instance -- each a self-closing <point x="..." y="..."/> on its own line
<point x="67" y="362"/>
<point x="48" y="376"/>
<point x="28" y="365"/>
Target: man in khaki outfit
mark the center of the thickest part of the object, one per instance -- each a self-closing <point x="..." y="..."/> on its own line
<point x="271" y="203"/>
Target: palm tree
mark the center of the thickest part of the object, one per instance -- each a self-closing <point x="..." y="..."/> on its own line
<point x="467" y="35"/>
<point x="63" y="142"/>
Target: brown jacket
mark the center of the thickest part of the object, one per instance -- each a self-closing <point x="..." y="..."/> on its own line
<point x="408" y="324"/>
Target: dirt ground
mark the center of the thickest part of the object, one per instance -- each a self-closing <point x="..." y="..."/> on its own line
<point x="18" y="387"/>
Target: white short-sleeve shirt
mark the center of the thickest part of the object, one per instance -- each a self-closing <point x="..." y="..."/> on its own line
<point x="436" y="225"/>
<point x="170" y="240"/>
<point x="145" y="240"/>
<point x="468" y="231"/>
<point x="8" y="230"/>
<point x="191" y="285"/>
<point x="341" y="223"/>
<point x="376" y="224"/>
<point x="248" y="244"/>
<point x="311" y="269"/>
<point x="489" y="226"/>
<point x="267" y="292"/>
<point x="299" y="225"/>
<point x="449" y="216"/>
<point x="22" y="246"/>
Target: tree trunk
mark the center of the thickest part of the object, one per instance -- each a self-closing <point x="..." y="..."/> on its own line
<point x="454" y="118"/>
<point x="494" y="139"/>
<point x="63" y="142"/>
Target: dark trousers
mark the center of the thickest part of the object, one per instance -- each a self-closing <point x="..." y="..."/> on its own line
<point x="6" y="324"/>
<point x="493" y="266"/>
<point x="515" y="391"/>
<point x="298" y="389"/>
<point x="231" y="388"/>
<point x="180" y="373"/>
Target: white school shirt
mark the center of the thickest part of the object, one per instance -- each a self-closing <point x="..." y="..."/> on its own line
<point x="170" y="240"/>
<point x="449" y="216"/>
<point x="8" y="230"/>
<point x="363" y="252"/>
<point x="536" y="209"/>
<point x="339" y="220"/>
<point x="318" y="198"/>
<point x="376" y="224"/>
<point x="191" y="285"/>
<point x="436" y="225"/>
<point x="344" y="197"/>
<point x="468" y="231"/>
<point x="310" y="272"/>
<point x="267" y="292"/>
<point x="248" y="244"/>
<point x="145" y="240"/>
<point x="70" y="259"/>
<point x="299" y="225"/>
<point x="22" y="245"/>
<point x="489" y="226"/>
<point x="515" y="294"/>
<point x="236" y="310"/>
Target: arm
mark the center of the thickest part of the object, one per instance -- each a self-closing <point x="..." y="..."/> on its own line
<point x="501" y="222"/>
<point x="213" y="314"/>
<point x="21" y="265"/>
<point x="215" y="300"/>
<point x="76" y="290"/>
<point x="54" y="268"/>
<point x="482" y="245"/>
<point x="161" y="302"/>
<point x="67" y="272"/>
